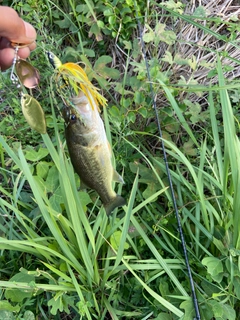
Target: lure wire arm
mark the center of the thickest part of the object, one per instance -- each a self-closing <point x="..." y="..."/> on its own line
<point x="13" y="77"/>
<point x="194" y="296"/>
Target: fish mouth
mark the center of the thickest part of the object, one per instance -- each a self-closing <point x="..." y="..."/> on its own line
<point x="80" y="99"/>
<point x="81" y="103"/>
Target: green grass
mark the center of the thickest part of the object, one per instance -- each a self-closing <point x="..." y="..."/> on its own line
<point x="61" y="256"/>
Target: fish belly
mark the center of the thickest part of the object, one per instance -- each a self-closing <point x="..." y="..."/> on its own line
<point x="94" y="167"/>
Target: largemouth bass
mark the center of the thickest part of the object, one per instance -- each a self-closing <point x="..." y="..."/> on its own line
<point x="90" y="152"/>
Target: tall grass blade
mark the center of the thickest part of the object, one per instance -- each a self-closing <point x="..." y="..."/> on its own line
<point x="127" y="219"/>
<point x="231" y="154"/>
<point x="219" y="156"/>
<point x="159" y="258"/>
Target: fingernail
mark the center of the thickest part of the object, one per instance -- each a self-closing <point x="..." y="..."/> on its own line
<point x="30" y="31"/>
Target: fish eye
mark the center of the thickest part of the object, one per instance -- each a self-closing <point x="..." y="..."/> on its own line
<point x="73" y="117"/>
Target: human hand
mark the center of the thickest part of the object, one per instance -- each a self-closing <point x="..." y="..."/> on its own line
<point x="14" y="30"/>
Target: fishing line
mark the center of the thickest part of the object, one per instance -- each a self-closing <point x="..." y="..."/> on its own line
<point x="194" y="297"/>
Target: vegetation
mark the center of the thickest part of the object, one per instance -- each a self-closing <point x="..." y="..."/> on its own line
<point x="61" y="256"/>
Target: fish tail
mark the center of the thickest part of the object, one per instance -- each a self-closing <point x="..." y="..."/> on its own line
<point x="117" y="201"/>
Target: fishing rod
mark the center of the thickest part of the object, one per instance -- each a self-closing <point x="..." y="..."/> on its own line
<point x="194" y="296"/>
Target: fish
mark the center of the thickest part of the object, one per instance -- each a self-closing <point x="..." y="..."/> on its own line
<point x="86" y="139"/>
<point x="90" y="151"/>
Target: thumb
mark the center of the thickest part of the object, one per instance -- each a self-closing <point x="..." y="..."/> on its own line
<point x="14" y="28"/>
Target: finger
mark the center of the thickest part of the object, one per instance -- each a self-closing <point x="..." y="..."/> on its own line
<point x="31" y="47"/>
<point x="5" y="43"/>
<point x="6" y="58"/>
<point x="14" y="28"/>
<point x="24" y="52"/>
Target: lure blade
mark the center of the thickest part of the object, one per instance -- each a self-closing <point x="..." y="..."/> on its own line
<point x="33" y="113"/>
<point x="27" y="74"/>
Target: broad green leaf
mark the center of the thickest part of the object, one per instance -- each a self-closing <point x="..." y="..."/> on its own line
<point x="85" y="199"/>
<point x="56" y="200"/>
<point x="236" y="283"/>
<point x="115" y="240"/>
<point x="166" y="36"/>
<point x="222" y="311"/>
<point x="194" y="109"/>
<point x="52" y="181"/>
<point x="178" y="59"/>
<point x="164" y="288"/>
<point x="131" y="116"/>
<point x="189" y="310"/>
<point x="42" y="169"/>
<point x="82" y="8"/>
<point x="200" y="12"/>
<point x="214" y="267"/>
<point x="114" y="111"/>
<point x="28" y="315"/>
<point x="60" y="302"/>
<point x="168" y="57"/>
<point x="34" y="156"/>
<point x="65" y="23"/>
<point x="18" y="295"/>
<point x="143" y="111"/>
<point x="128" y="45"/>
<point x="55" y="304"/>
<point x="95" y="29"/>
<point x="7" y="315"/>
<point x="89" y="52"/>
<point x="139" y="97"/>
<point x="6" y="305"/>
<point x="189" y="148"/>
<point x="176" y="6"/>
<point x="164" y="316"/>
<point x="105" y="72"/>
<point x="149" y="36"/>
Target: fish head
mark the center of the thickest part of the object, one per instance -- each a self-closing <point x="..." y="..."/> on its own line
<point x="66" y="114"/>
<point x="82" y="108"/>
<point x="75" y="122"/>
<point x="82" y="119"/>
<point x="78" y="112"/>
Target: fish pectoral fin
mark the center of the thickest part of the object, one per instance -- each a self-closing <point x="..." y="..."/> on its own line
<point x="117" y="177"/>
